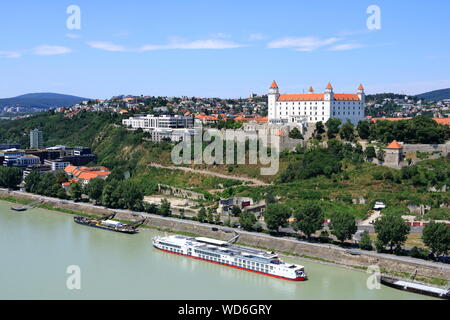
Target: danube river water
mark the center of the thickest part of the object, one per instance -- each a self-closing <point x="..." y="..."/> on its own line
<point x="37" y="246"/>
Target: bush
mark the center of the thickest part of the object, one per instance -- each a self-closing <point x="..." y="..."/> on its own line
<point x="379" y="246"/>
<point x="324" y="236"/>
<point x="365" y="243"/>
<point x="418" y="253"/>
<point x="398" y="251"/>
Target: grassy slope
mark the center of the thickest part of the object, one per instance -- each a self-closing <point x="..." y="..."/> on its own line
<point x="117" y="147"/>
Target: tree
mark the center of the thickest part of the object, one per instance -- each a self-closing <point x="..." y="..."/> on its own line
<point x="309" y="218"/>
<point x="391" y="230"/>
<point x="217" y="217"/>
<point x="75" y="191"/>
<point x="94" y="189"/>
<point x="210" y="215"/>
<point x="365" y="243"/>
<point x="129" y="195"/>
<point x="347" y="131"/>
<point x="201" y="215"/>
<point x="276" y="216"/>
<point x="343" y="226"/>
<point x="10" y="177"/>
<point x="380" y="154"/>
<point x="363" y="129"/>
<point x="60" y="177"/>
<point x="320" y="129"/>
<point x="32" y="181"/>
<point x="150" y="207"/>
<point x="270" y="198"/>
<point x="61" y="194"/>
<point x="247" y="220"/>
<point x="164" y="208"/>
<point x="436" y="236"/>
<point x="370" y="152"/>
<point x="295" y="134"/>
<point x="236" y="211"/>
<point x="332" y="125"/>
<point x="108" y="196"/>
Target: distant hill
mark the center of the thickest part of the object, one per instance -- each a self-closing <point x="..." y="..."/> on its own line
<point x="435" y="95"/>
<point x="43" y="100"/>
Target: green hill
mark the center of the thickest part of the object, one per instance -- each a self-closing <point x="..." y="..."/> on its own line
<point x="333" y="178"/>
<point x="435" y="95"/>
<point x="43" y="100"/>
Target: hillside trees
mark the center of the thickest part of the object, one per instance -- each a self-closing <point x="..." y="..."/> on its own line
<point x="309" y="218"/>
<point x="276" y="216"/>
<point x="436" y="236"/>
<point x="343" y="225"/>
<point x="10" y="177"/>
<point x="391" y="231"/>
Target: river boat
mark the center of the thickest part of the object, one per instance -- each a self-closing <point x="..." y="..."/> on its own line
<point x="227" y="254"/>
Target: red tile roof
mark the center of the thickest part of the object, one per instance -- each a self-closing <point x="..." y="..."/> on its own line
<point x="274" y="85"/>
<point x="317" y="97"/>
<point x="394" y="145"/>
<point x="87" y="173"/>
<point x="445" y="121"/>
<point x="329" y="86"/>
<point x="346" y="97"/>
<point x="360" y="87"/>
<point x="301" y="97"/>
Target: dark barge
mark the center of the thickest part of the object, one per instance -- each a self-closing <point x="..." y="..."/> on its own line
<point x="110" y="225"/>
<point x="416" y="288"/>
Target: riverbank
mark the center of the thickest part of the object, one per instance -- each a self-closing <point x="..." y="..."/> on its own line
<point x="402" y="267"/>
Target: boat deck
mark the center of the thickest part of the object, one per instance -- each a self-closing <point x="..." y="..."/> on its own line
<point x="420" y="287"/>
<point x="238" y="251"/>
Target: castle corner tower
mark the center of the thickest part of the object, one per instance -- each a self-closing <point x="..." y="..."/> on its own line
<point x="272" y="100"/>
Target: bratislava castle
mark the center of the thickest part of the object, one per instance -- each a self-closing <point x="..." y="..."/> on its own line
<point x="314" y="107"/>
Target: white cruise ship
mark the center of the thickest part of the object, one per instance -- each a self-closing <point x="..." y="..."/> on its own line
<point x="225" y="253"/>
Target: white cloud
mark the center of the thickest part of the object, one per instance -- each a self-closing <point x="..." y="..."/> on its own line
<point x="346" y="46"/>
<point x="302" y="43"/>
<point x="196" y="44"/>
<point x="46" y="50"/>
<point x="10" y="54"/>
<point x="107" y="46"/>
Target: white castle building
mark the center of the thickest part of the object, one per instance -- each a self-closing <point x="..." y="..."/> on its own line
<point x="314" y="107"/>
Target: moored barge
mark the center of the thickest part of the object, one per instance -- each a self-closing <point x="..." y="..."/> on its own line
<point x="415" y="287"/>
<point x="110" y="225"/>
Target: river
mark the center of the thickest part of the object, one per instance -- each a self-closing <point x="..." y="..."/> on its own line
<point x="37" y="246"/>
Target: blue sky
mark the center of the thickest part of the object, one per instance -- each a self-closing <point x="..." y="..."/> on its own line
<point x="222" y="48"/>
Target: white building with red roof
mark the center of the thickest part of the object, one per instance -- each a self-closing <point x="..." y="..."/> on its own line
<point x="314" y="107"/>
